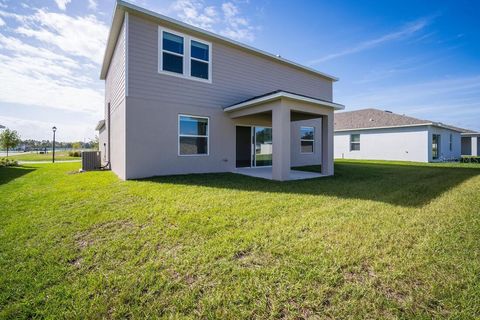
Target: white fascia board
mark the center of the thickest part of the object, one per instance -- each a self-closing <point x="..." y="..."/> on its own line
<point x="280" y="95"/>
<point x="386" y="127"/>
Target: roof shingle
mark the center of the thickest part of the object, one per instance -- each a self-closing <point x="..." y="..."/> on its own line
<point x="375" y="118"/>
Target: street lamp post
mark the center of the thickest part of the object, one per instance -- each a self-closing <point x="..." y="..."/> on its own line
<point x="53" y="153"/>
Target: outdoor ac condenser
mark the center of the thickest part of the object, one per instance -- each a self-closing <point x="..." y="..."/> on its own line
<point x="91" y="160"/>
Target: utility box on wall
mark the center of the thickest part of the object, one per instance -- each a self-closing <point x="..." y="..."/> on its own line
<point x="91" y="160"/>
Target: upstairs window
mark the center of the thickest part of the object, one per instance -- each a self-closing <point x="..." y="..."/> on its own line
<point x="172" y="52"/>
<point x="184" y="56"/>
<point x="355" y="142"/>
<point x="199" y="59"/>
<point x="307" y="139"/>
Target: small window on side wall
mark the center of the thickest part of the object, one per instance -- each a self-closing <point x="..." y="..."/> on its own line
<point x="355" y="142"/>
<point x="192" y="135"/>
<point x="307" y="139"/>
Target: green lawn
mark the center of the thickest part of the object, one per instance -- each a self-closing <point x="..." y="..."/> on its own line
<point x="28" y="156"/>
<point x="378" y="240"/>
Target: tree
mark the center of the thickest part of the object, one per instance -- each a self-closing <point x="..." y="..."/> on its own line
<point x="76" y="145"/>
<point x="94" y="143"/>
<point x="9" y="139"/>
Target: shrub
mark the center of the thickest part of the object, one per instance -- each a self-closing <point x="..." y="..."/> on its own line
<point x="74" y="154"/>
<point x="5" y="162"/>
<point x="470" y="159"/>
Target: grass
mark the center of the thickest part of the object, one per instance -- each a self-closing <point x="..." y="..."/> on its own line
<point x="378" y="240"/>
<point x="28" y="156"/>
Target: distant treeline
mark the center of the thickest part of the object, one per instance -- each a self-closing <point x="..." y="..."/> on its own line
<point x="31" y="145"/>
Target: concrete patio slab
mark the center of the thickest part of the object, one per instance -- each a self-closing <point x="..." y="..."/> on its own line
<point x="266" y="173"/>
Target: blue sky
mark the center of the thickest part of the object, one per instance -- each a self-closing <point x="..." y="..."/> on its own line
<point x="420" y="58"/>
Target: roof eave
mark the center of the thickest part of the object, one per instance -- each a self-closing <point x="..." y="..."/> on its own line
<point x="280" y="95"/>
<point x="115" y="27"/>
<point x="122" y="6"/>
<point x="386" y="127"/>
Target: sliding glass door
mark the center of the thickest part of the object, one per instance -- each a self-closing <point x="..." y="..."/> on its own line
<point x="263" y="146"/>
<point x="253" y="146"/>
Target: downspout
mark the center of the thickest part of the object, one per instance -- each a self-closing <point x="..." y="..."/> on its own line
<point x="108" y="165"/>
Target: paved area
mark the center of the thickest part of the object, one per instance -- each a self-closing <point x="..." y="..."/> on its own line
<point x="266" y="173"/>
<point x="49" y="161"/>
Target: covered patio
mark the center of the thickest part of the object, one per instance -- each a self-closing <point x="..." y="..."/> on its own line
<point x="282" y="108"/>
<point x="266" y="173"/>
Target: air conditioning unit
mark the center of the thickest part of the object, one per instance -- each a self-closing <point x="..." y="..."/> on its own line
<point x="91" y="160"/>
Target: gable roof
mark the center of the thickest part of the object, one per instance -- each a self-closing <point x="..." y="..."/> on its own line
<point x="378" y="119"/>
<point x="282" y="94"/>
<point x="122" y="6"/>
<point x="100" y="125"/>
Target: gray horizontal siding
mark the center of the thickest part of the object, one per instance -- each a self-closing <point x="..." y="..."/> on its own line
<point x="115" y="79"/>
<point x="237" y="75"/>
<point x="115" y="95"/>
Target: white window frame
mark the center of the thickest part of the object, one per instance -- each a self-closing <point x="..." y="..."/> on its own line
<point x="313" y="140"/>
<point x="161" y="50"/>
<point x="209" y="62"/>
<point x="193" y="135"/>
<point x="351" y="142"/>
<point x="187" y="58"/>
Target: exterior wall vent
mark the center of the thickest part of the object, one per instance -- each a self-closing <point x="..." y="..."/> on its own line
<point x="91" y="160"/>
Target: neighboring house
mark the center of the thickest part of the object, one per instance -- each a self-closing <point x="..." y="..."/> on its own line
<point x="470" y="143"/>
<point x="179" y="99"/>
<point x="382" y="135"/>
<point x="2" y="127"/>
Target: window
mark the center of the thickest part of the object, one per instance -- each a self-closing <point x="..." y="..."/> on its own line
<point x="435" y="146"/>
<point x="192" y="135"/>
<point x="172" y="52"/>
<point x="451" y="142"/>
<point x="199" y="57"/>
<point x="355" y="142"/>
<point x="307" y="139"/>
<point x="183" y="56"/>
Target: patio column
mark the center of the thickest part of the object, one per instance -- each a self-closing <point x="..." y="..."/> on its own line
<point x="281" y="142"/>
<point x="327" y="144"/>
<point x="474" y="146"/>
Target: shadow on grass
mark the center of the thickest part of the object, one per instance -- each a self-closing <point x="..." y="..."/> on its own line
<point x="397" y="184"/>
<point x="10" y="173"/>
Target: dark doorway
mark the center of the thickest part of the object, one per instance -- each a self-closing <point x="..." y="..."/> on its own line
<point x="244" y="147"/>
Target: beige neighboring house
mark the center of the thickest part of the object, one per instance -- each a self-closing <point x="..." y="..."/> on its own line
<point x="179" y="100"/>
<point x="374" y="134"/>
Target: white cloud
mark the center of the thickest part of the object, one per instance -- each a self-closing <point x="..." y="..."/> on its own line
<point x="35" y="129"/>
<point x="92" y="4"/>
<point x="237" y="27"/>
<point x="2" y="23"/>
<point x="80" y="36"/>
<point x="62" y="4"/>
<point x="408" y="30"/>
<point x="448" y="100"/>
<point x="225" y="19"/>
<point x="53" y="61"/>
<point x="195" y="13"/>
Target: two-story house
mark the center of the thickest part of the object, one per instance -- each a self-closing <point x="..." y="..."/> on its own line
<point x="179" y="99"/>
